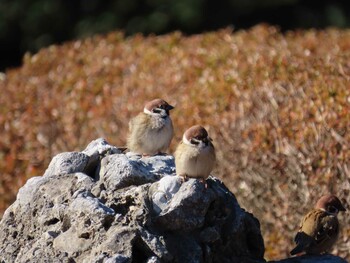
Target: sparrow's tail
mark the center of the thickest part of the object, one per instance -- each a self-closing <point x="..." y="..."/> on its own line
<point x="298" y="249"/>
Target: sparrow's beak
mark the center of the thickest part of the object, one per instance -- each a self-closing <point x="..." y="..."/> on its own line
<point x="342" y="208"/>
<point x="169" y="107"/>
<point x="207" y="140"/>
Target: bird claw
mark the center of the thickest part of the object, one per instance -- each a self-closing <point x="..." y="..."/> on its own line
<point x="184" y="178"/>
<point x="150" y="155"/>
<point x="204" y="181"/>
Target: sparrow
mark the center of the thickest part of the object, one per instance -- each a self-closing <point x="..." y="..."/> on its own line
<point x="151" y="131"/>
<point x="319" y="229"/>
<point x="195" y="155"/>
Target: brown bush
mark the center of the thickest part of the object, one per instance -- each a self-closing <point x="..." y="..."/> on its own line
<point x="277" y="106"/>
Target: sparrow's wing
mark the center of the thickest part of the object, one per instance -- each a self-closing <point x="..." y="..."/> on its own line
<point x="328" y="229"/>
<point x="134" y="131"/>
<point x="131" y="124"/>
<point x="303" y="241"/>
<point x="307" y="231"/>
<point x="318" y="229"/>
<point x="137" y="122"/>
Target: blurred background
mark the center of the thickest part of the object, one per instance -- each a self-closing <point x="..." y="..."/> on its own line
<point x="28" y="25"/>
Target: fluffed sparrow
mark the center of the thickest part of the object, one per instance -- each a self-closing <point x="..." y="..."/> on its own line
<point x="319" y="229"/>
<point x="195" y="155"/>
<point x="151" y="131"/>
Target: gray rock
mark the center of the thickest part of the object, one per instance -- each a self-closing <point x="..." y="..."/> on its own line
<point x="135" y="210"/>
<point x="158" y="165"/>
<point x="96" y="150"/>
<point x="67" y="163"/>
<point x="153" y="260"/>
<point x="100" y="147"/>
<point x="118" y="259"/>
<point x="207" y="224"/>
<point x="38" y="217"/>
<point x="163" y="191"/>
<point x="312" y="259"/>
<point x="119" y="170"/>
<point x="187" y="209"/>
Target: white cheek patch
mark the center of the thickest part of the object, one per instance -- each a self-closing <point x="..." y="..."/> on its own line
<point x="185" y="141"/>
<point x="148" y="112"/>
<point x="162" y="113"/>
<point x="199" y="145"/>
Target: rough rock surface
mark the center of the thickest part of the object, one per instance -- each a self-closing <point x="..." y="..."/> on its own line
<point x="101" y="205"/>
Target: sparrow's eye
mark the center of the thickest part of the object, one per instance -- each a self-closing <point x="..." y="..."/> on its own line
<point x="332" y="210"/>
<point x="194" y="141"/>
<point x="156" y="110"/>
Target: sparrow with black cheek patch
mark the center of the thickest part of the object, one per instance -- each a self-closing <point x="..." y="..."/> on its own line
<point x="195" y="155"/>
<point x="151" y="131"/>
<point x="319" y="229"/>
